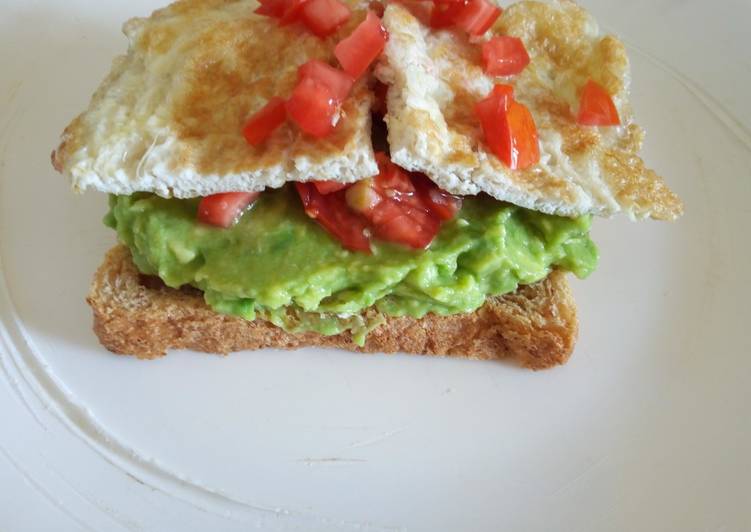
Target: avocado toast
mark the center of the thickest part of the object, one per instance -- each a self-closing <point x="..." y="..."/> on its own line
<point x="236" y="143"/>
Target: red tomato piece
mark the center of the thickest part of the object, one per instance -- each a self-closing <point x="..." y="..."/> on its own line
<point x="477" y="16"/>
<point x="356" y="52"/>
<point x="323" y="17"/>
<point x="489" y="111"/>
<point x="443" y="204"/>
<point x="498" y="98"/>
<point x="263" y="123"/>
<point x="224" y="210"/>
<point x="272" y="8"/>
<point x="520" y="148"/>
<point x="327" y="187"/>
<point x="332" y="213"/>
<point x="313" y="107"/>
<point x="391" y="178"/>
<point x="292" y="12"/>
<point x="509" y="128"/>
<point x="504" y="56"/>
<point x="596" y="107"/>
<point x="338" y="82"/>
<point x="440" y="202"/>
<point x="404" y="224"/>
<point x="444" y="14"/>
<point x="402" y="215"/>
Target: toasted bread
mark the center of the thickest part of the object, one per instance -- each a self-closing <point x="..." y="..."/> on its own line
<point x="169" y="117"/>
<point x="436" y="77"/>
<point x="536" y="326"/>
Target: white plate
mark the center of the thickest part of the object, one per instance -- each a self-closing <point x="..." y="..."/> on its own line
<point x="647" y="428"/>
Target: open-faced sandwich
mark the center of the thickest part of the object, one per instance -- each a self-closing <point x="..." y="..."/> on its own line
<point x="414" y="176"/>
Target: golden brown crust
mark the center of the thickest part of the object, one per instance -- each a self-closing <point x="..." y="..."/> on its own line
<point x="536" y="326"/>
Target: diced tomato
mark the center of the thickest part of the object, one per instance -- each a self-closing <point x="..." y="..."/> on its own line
<point x="596" y="107"/>
<point x="498" y="98"/>
<point x="440" y="202"/>
<point x="489" y="111"/>
<point x="408" y="226"/>
<point x="333" y="214"/>
<point x="477" y="16"/>
<point x="444" y="14"/>
<point x="402" y="215"/>
<point x="323" y="17"/>
<point x="356" y="52"/>
<point x="509" y="128"/>
<point x="327" y="187"/>
<point x="443" y="204"/>
<point x="397" y="206"/>
<point x="223" y="210"/>
<point x="263" y="123"/>
<point x="272" y="8"/>
<point x="313" y="107"/>
<point x="519" y="147"/>
<point x="339" y="83"/>
<point x="391" y="178"/>
<point x="292" y="12"/>
<point x="504" y="56"/>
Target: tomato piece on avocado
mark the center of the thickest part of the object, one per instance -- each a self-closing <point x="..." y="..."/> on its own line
<point x="441" y="203"/>
<point x="323" y="17"/>
<point x="398" y="207"/>
<point x="504" y="56"/>
<point x="332" y="213"/>
<point x="405" y="224"/>
<point x="264" y="122"/>
<point x="356" y="52"/>
<point x="401" y="215"/>
<point x="313" y="107"/>
<point x="224" y="210"/>
<point x="596" y="107"/>
<point x="392" y="179"/>
<point x="338" y="82"/>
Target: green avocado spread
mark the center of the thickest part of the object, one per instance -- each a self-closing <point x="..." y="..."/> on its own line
<point x="278" y="264"/>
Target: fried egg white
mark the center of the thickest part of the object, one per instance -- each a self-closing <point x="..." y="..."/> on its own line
<point x="168" y="119"/>
<point x="436" y="77"/>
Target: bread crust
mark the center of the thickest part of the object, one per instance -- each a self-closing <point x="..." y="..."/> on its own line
<point x="536" y="326"/>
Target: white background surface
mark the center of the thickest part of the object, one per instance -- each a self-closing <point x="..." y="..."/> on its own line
<point x="647" y="428"/>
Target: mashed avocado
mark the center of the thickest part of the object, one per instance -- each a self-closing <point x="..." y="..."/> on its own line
<point x="279" y="264"/>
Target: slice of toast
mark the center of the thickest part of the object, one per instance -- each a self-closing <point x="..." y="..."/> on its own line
<point x="536" y="326"/>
